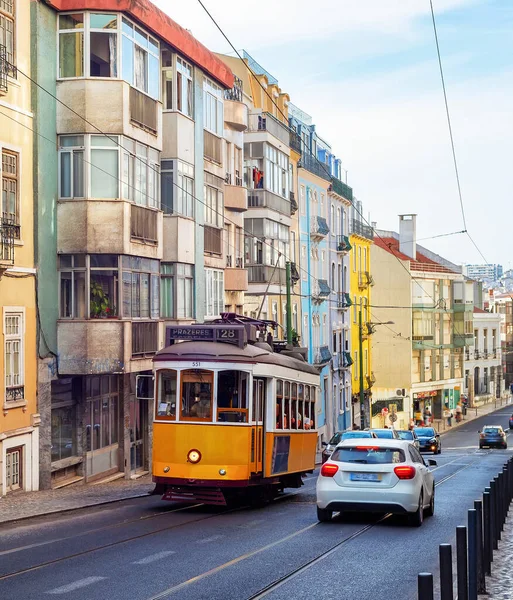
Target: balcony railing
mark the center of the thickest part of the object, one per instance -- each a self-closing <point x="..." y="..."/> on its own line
<point x="322" y="355"/>
<point x="266" y="274"/>
<point x="343" y="300"/>
<point x="267" y="122"/>
<point x="234" y="261"/>
<point x="213" y="240"/>
<point x="365" y="279"/>
<point x="212" y="147"/>
<point x="145" y="338"/>
<point x="8" y="233"/>
<point x="320" y="290"/>
<point x="143" y="224"/>
<point x="293" y="204"/>
<point x="310" y="163"/>
<point x="294" y="273"/>
<point x="343" y="243"/>
<point x="261" y="198"/>
<point x="360" y="228"/>
<point x="295" y="141"/>
<point x="477" y="354"/>
<point x="236" y="92"/>
<point x="14" y="393"/>
<point x="370" y="380"/>
<point x="340" y="188"/>
<point x="143" y="110"/>
<point x="318" y="227"/>
<point x="7" y="69"/>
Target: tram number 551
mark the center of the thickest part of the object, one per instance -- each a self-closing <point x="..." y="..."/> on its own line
<point x="196" y="364"/>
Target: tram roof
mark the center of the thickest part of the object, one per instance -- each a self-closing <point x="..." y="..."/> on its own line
<point x="216" y="351"/>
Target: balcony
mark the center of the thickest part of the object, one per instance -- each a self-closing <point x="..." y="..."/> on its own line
<point x="143" y="111"/>
<point x="295" y="141"/>
<point x="293" y="204"/>
<point x="265" y="274"/>
<point x="341" y="189"/>
<point x="213" y="240"/>
<point x="236" y="196"/>
<point x="212" y="147"/>
<point x="343" y="300"/>
<point x="266" y="122"/>
<point x="322" y="356"/>
<point x="320" y="290"/>
<point x="342" y="360"/>
<point x="7" y="69"/>
<point x="8" y="233"/>
<point x="178" y="239"/>
<point x="145" y="338"/>
<point x="477" y="355"/>
<point x="370" y="380"/>
<point x="235" y="279"/>
<point x="318" y="228"/>
<point x="367" y="330"/>
<point x="310" y="163"/>
<point x="144" y="224"/>
<point x="235" y="111"/>
<point x="343" y="243"/>
<point x="365" y="280"/>
<point x="359" y="228"/>
<point x="264" y="198"/>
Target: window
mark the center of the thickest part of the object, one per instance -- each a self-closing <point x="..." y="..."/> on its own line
<point x="354" y="258"/>
<point x="177" y="290"/>
<point x="214" y="292"/>
<point x="166" y="395"/>
<point x="302" y="202"/>
<point x="212" y="107"/>
<point x="197" y="390"/>
<point x="184" y="90"/>
<point x="167" y="80"/>
<point x="355" y="310"/>
<point x="7" y="28"/>
<point x="355" y="370"/>
<point x="276" y="171"/>
<point x="71" y="160"/>
<point x="232" y="397"/>
<point x="14" y="356"/>
<point x="177" y="196"/>
<point x="71" y="45"/>
<point x="63" y="432"/>
<point x="10" y="187"/>
<point x="214" y="215"/>
<point x="140" y="59"/>
<point x="103" y="286"/>
<point x="101" y="416"/>
<point x="141" y="288"/>
<point x="73" y="301"/>
<point x="103" y="41"/>
<point x="304" y="271"/>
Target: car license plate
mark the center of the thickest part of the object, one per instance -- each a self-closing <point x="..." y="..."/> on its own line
<point x="365" y="477"/>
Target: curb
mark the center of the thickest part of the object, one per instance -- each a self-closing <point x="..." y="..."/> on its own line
<point x="72" y="509"/>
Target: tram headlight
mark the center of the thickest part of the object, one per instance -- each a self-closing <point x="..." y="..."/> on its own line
<point x="194" y="456"/>
<point x="222" y="471"/>
<point x="166" y="469"/>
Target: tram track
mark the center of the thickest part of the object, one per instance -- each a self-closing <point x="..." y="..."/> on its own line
<point x="125" y="540"/>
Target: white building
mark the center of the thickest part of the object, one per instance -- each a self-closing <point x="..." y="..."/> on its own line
<point x="483" y="370"/>
<point x="483" y="272"/>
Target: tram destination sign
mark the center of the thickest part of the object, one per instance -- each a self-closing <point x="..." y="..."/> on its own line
<point x="231" y="334"/>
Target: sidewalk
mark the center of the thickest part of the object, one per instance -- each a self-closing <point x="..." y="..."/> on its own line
<point x="499" y="586"/>
<point x="22" y="505"/>
<point x="473" y="413"/>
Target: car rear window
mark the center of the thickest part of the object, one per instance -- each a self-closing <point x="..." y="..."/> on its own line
<point x="369" y="455"/>
<point x="491" y="429"/>
<point x="336" y="439"/>
<point x="405" y="435"/>
<point x="425" y="431"/>
<point x="384" y="433"/>
<point x="348" y="435"/>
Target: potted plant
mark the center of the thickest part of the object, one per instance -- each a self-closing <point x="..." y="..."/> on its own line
<point x="100" y="305"/>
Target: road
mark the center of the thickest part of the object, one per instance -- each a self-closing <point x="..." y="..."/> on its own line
<point x="143" y="549"/>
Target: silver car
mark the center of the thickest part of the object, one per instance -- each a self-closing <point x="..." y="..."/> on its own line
<point x="410" y="435"/>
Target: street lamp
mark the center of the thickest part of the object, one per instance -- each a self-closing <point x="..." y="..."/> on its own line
<point x="363" y="412"/>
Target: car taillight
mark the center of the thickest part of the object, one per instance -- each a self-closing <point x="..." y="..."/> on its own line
<point x="328" y="469"/>
<point x="482" y="435"/>
<point x="405" y="472"/>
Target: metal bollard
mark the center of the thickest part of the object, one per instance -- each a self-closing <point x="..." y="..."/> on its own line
<point x="472" y="554"/>
<point x="425" y="586"/>
<point x="487" y="533"/>
<point x="497" y="509"/>
<point x="481" y="584"/>
<point x="461" y="562"/>
<point x="494" y="515"/>
<point x="446" y="572"/>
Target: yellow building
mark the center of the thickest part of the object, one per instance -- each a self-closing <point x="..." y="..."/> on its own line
<point x="360" y="290"/>
<point x="19" y="431"/>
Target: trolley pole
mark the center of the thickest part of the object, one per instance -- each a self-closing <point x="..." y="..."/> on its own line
<point x="360" y="356"/>
<point x="289" y="302"/>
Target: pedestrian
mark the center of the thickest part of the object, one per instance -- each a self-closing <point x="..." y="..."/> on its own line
<point x="427" y="416"/>
<point x="355" y="427"/>
<point x="459" y="412"/>
<point x="448" y="416"/>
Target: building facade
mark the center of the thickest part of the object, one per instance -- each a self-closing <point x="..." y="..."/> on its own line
<point x="503" y="305"/>
<point x="483" y="362"/>
<point x="485" y="272"/>
<point x="131" y="219"/>
<point x="19" y="418"/>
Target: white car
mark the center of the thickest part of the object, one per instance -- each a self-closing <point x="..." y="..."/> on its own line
<point x="376" y="475"/>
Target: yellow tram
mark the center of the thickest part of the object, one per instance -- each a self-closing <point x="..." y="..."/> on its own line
<point x="233" y="416"/>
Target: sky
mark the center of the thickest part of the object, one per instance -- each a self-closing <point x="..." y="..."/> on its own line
<point x="367" y="72"/>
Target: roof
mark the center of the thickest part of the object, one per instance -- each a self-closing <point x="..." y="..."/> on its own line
<point x="480" y="310"/>
<point x="161" y="25"/>
<point x="216" y="351"/>
<point x="421" y="263"/>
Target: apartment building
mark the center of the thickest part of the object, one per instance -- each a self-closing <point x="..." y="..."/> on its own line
<point x="19" y="418"/>
<point x="502" y="303"/>
<point x="131" y="219"/>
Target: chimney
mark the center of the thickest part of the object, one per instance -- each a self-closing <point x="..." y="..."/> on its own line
<point x="408" y="235"/>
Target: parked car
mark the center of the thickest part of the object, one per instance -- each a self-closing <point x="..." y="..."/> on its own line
<point x="429" y="439"/>
<point x="385" y="434"/>
<point x="511" y="422"/>
<point x="410" y="435"/>
<point x="384" y="476"/>
<point x="492" y="435"/>
<point x="341" y="436"/>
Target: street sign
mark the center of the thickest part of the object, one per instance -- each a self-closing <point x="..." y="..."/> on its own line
<point x="384" y="411"/>
<point x="392" y="418"/>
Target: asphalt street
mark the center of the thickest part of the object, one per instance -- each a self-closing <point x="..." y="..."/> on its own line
<point x="144" y="549"/>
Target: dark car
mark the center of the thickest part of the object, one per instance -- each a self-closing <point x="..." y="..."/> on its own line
<point x="511" y="422"/>
<point x="386" y="434"/>
<point x="429" y="439"/>
<point x="410" y="435"/>
<point x="492" y="436"/>
<point x="340" y="436"/>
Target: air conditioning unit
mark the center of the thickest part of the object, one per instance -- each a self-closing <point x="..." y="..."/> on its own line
<point x="400" y="392"/>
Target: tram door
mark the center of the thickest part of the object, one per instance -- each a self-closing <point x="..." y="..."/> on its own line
<point x="257" y="435"/>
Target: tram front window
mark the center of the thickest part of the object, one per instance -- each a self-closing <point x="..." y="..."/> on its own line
<point x="166" y="396"/>
<point x="196" y="395"/>
<point x="232" y="397"/>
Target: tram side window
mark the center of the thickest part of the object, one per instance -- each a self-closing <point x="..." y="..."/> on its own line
<point x="308" y="406"/>
<point x="312" y="407"/>
<point x="166" y="396"/>
<point x="279" y="404"/>
<point x="300" y="406"/>
<point x="286" y="405"/>
<point x="232" y="397"/>
<point x="295" y="417"/>
<point x="196" y="395"/>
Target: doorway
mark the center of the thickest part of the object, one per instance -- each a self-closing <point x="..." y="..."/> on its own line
<point x="14" y="468"/>
<point x="138" y="421"/>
